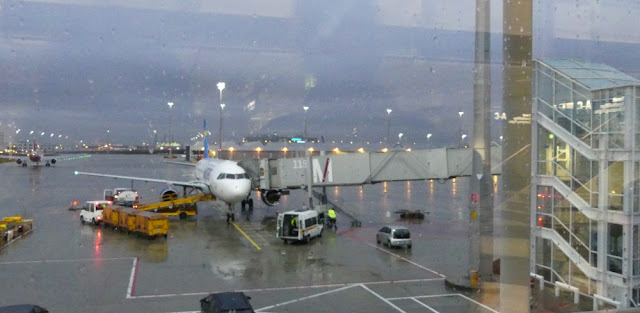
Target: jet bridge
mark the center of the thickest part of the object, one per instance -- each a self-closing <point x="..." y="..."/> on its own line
<point x="277" y="176"/>
<point x="350" y="169"/>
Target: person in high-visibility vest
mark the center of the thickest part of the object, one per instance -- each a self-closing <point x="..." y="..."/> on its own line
<point x="293" y="225"/>
<point x="332" y="218"/>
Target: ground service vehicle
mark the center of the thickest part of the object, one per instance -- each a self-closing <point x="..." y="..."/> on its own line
<point x="299" y="225"/>
<point x="122" y="196"/>
<point x="226" y="302"/>
<point x="394" y="236"/>
<point x="92" y="211"/>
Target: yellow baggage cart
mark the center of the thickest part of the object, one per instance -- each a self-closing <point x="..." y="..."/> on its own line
<point x="110" y="216"/>
<point x="152" y="224"/>
<point x="127" y="219"/>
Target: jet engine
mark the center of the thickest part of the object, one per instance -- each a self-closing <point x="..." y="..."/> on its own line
<point x="270" y="197"/>
<point x="19" y="161"/>
<point x="53" y="161"/>
<point x="169" y="194"/>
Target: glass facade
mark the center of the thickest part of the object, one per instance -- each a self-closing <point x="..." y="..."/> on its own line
<point x="586" y="184"/>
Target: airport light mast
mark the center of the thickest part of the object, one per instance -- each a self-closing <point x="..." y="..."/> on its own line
<point x="221" y="86"/>
<point x="388" y="124"/>
<point x="170" y="123"/>
<point x="304" y="133"/>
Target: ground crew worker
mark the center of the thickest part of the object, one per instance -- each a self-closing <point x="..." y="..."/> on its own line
<point x="293" y="225"/>
<point x="332" y="217"/>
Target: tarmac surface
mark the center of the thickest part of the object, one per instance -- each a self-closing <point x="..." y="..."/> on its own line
<point x="66" y="266"/>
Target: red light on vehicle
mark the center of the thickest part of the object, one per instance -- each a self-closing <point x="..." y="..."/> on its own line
<point x="540" y="221"/>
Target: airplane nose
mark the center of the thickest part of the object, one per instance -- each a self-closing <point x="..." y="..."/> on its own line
<point x="240" y="190"/>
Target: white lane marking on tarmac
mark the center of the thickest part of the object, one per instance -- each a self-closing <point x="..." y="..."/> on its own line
<point x="381" y="298"/>
<point x="407" y="260"/>
<point x="424" y="305"/>
<point x="425" y="296"/>
<point x="305" y="298"/>
<point x="478" y="303"/>
<point x="132" y="279"/>
<point x="290" y="288"/>
<point x="445" y="295"/>
<point x="63" y="261"/>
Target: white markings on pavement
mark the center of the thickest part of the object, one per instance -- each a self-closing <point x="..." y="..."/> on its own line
<point x="381" y="298"/>
<point x="444" y="295"/>
<point x="407" y="260"/>
<point x="424" y="305"/>
<point x="342" y="288"/>
<point x="480" y="304"/>
<point x="290" y="288"/>
<point x="63" y="261"/>
<point x="132" y="279"/>
<point x="305" y="298"/>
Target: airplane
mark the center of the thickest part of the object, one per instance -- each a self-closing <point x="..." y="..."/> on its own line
<point x="36" y="156"/>
<point x="224" y="179"/>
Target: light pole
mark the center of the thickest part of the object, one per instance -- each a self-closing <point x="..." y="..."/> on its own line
<point x="108" y="136"/>
<point x="428" y="137"/>
<point x="388" y="125"/>
<point x="221" y="86"/>
<point x="170" y="123"/>
<point x="304" y="133"/>
<point x="460" y="113"/>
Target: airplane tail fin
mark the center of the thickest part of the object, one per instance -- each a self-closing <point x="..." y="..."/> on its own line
<point x="206" y="140"/>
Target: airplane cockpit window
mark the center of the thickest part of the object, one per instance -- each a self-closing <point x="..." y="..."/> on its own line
<point x="240" y="176"/>
<point x="221" y="176"/>
<point x="231" y="176"/>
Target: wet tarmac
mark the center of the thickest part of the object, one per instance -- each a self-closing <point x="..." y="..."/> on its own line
<point x="66" y="266"/>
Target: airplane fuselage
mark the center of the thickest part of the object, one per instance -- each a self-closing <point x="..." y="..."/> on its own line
<point x="35" y="157"/>
<point x="227" y="181"/>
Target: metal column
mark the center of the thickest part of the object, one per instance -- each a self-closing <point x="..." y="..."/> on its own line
<point x="515" y="208"/>
<point x="481" y="222"/>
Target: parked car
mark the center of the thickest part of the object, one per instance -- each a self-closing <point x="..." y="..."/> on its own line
<point x="226" y="302"/>
<point x="394" y="236"/>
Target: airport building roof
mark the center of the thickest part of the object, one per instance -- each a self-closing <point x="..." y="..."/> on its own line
<point x="592" y="76"/>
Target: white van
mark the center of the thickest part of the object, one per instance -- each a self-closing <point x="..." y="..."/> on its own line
<point x="299" y="225"/>
<point x="92" y="211"/>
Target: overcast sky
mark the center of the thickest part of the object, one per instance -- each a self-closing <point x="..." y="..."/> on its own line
<point x="78" y="68"/>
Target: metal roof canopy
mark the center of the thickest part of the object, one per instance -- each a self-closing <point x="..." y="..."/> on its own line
<point x="367" y="168"/>
<point x="592" y="76"/>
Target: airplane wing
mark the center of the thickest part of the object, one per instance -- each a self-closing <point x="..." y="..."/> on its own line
<point x="181" y="163"/>
<point x="194" y="184"/>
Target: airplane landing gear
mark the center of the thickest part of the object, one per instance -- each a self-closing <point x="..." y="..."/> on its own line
<point x="231" y="216"/>
<point x="248" y="202"/>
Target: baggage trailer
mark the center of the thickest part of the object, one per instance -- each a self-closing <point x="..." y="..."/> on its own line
<point x="110" y="216"/>
<point x="151" y="224"/>
<point x="126" y="219"/>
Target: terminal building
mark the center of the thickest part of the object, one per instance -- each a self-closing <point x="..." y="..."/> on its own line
<point x="585" y="156"/>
